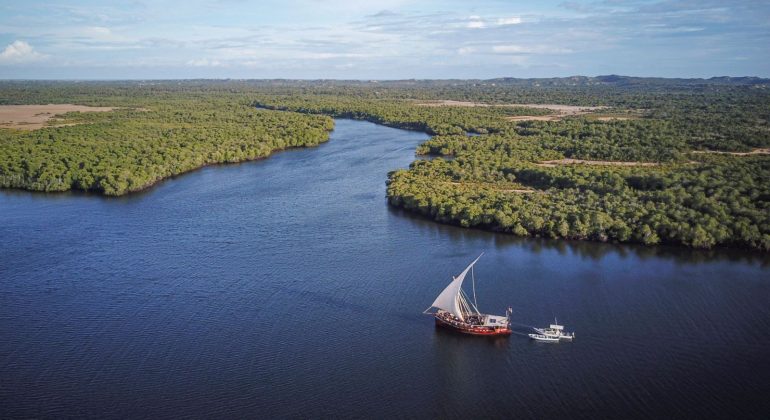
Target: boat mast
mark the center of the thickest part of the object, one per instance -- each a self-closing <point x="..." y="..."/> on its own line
<point x="465" y="305"/>
<point x="473" y="282"/>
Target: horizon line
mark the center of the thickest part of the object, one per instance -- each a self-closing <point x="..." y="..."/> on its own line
<point x="369" y="79"/>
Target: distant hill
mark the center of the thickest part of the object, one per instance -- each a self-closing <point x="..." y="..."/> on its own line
<point x="616" y="80"/>
<point x="611" y="80"/>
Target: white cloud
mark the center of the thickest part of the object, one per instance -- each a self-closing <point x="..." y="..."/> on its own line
<point x="327" y="55"/>
<point x="466" y="50"/>
<point x="19" y="52"/>
<point x="529" y="49"/>
<point x="509" y="49"/>
<point x="205" y="62"/>
<point x="98" y="31"/>
<point x="513" y="20"/>
<point x="475" y="22"/>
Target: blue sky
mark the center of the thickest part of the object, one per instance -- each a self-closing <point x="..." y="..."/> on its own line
<point x="387" y="39"/>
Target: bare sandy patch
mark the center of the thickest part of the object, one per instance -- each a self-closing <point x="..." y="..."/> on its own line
<point x="495" y="187"/>
<point x="565" y="109"/>
<point x="451" y="103"/>
<point x="618" y="118"/>
<point x="555" y="107"/>
<point x="560" y="111"/>
<point x="762" y="151"/>
<point x="553" y="163"/>
<point x="518" y="191"/>
<point x="534" y="118"/>
<point x="33" y="117"/>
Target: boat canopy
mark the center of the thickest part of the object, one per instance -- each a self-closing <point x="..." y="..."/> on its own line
<point x="495" y="321"/>
<point x="449" y="299"/>
<point x="557" y="327"/>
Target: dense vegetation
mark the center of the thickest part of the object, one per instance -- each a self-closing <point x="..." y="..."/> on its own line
<point x="657" y="185"/>
<point x="652" y="188"/>
<point x="402" y="114"/>
<point x="131" y="148"/>
<point x="717" y="200"/>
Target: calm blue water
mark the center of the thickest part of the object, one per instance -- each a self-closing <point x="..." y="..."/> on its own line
<point x="288" y="288"/>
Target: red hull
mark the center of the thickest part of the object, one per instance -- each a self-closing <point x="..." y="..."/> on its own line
<point x="471" y="329"/>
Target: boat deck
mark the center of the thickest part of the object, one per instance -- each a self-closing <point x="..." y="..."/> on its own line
<point x="467" y="328"/>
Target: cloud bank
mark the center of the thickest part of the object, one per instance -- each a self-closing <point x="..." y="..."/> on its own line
<point x="19" y="52"/>
<point x="384" y="39"/>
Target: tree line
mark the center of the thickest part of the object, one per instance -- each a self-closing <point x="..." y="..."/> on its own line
<point x="496" y="179"/>
<point x="129" y="149"/>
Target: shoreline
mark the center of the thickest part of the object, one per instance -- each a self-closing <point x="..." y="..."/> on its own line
<point x="394" y="200"/>
<point x="145" y="187"/>
<point x="494" y="229"/>
<point x="746" y="250"/>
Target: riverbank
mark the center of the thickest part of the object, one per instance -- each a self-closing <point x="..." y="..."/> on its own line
<point x="8" y="185"/>
<point x="122" y="150"/>
<point x="618" y="181"/>
<point x="626" y="181"/>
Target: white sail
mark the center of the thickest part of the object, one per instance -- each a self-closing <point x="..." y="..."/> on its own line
<point x="448" y="300"/>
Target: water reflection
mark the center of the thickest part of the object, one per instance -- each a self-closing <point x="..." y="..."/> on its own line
<point x="586" y="249"/>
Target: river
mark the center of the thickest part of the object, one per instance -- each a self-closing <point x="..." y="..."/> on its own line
<point x="287" y="287"/>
